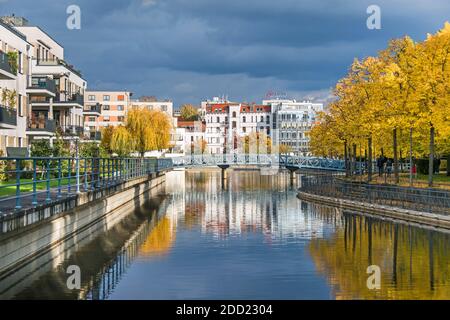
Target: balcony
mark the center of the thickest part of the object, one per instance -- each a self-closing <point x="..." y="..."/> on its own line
<point x="8" y="117"/>
<point x="70" y="130"/>
<point x="41" y="127"/>
<point x="6" y="70"/>
<point x="42" y="87"/>
<point x="92" y="110"/>
<point x="58" y="62"/>
<point x="65" y="100"/>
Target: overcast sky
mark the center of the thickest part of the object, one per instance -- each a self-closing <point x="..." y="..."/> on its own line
<point x="188" y="50"/>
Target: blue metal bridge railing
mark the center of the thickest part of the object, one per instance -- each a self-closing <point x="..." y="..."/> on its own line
<point x="40" y="180"/>
<point x="276" y="160"/>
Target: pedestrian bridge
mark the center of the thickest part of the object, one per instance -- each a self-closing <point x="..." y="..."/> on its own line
<point x="262" y="160"/>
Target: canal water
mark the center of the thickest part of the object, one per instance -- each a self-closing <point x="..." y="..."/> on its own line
<point x="250" y="238"/>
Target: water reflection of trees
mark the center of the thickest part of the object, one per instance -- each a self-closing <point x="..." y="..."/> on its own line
<point x="414" y="262"/>
<point x="160" y="239"/>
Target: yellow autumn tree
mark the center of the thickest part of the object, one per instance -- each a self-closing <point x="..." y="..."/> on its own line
<point x="121" y="141"/>
<point x="396" y="103"/>
<point x="105" y="143"/>
<point x="149" y="129"/>
<point x="261" y="142"/>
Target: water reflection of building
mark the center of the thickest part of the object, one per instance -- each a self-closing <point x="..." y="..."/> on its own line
<point x="249" y="203"/>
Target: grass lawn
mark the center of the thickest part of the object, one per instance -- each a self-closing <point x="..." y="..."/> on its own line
<point x="6" y="189"/>
<point x="439" y="178"/>
<point x="440" y="181"/>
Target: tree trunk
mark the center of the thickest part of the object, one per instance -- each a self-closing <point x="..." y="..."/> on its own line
<point x="354" y="158"/>
<point x="448" y="165"/>
<point x="346" y="158"/>
<point x="396" y="175"/>
<point x="431" y="160"/>
<point x="350" y="161"/>
<point x="369" y="164"/>
<point x="410" y="156"/>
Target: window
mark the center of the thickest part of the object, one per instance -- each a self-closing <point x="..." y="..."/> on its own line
<point x="164" y="108"/>
<point x="19" y="105"/>
<point x="106" y="118"/>
<point x="218" y="119"/>
<point x="106" y="97"/>
<point x="243" y="120"/>
<point x="244" y="129"/>
<point x="120" y="118"/>
<point x="91" y="97"/>
<point x="233" y="125"/>
<point x="120" y="108"/>
<point x="234" y="114"/>
<point x="105" y="107"/>
<point x="91" y="119"/>
<point x="20" y="64"/>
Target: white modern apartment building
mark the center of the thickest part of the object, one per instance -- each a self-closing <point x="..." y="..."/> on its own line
<point x="293" y="121"/>
<point x="15" y="60"/>
<point x="165" y="106"/>
<point x="55" y="89"/>
<point x="284" y="121"/>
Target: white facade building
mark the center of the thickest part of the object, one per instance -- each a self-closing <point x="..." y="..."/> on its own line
<point x="284" y="121"/>
<point x="55" y="89"/>
<point x="14" y="77"/>
<point x="228" y="122"/>
<point x="293" y="121"/>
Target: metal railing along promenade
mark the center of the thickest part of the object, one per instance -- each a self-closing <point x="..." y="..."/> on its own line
<point x="418" y="199"/>
<point x="28" y="182"/>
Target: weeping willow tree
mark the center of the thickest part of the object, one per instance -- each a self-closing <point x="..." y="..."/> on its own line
<point x="105" y="143"/>
<point x="149" y="130"/>
<point x="121" y="141"/>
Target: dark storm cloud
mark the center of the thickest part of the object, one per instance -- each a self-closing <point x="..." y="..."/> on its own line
<point x="192" y="49"/>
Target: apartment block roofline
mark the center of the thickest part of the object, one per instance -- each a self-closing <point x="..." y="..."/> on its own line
<point x="108" y="90"/>
<point x="40" y="29"/>
<point x="13" y="30"/>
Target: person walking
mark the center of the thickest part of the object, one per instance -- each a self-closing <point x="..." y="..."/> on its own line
<point x="380" y="164"/>
<point x="389" y="166"/>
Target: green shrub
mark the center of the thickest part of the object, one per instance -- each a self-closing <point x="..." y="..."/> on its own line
<point x="422" y="165"/>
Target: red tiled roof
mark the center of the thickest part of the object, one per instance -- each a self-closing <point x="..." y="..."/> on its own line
<point x="184" y="124"/>
<point x="255" y="108"/>
<point x="223" y="107"/>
